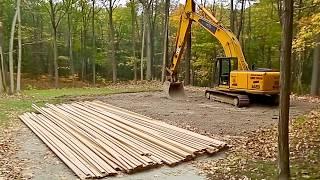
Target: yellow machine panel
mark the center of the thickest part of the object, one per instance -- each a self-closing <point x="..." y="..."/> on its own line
<point x="239" y="79"/>
<point x="264" y="82"/>
<point x="255" y="82"/>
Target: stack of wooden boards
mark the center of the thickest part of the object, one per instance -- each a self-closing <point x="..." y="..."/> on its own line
<point x="96" y="139"/>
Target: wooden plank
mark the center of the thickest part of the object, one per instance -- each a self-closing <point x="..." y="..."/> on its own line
<point x="113" y="143"/>
<point x="171" y="134"/>
<point x="162" y="129"/>
<point x="81" y="136"/>
<point x="107" y="129"/>
<point x="54" y="147"/>
<point x="66" y="121"/>
<point x="132" y="138"/>
<point x="100" y="138"/>
<point x="70" y="140"/>
<point x="101" y="141"/>
<point x="145" y="118"/>
<point x="164" y="142"/>
<point x="65" y="149"/>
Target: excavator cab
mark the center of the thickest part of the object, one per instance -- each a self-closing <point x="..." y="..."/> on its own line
<point x="224" y="65"/>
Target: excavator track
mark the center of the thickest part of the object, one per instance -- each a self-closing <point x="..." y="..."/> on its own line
<point x="238" y="100"/>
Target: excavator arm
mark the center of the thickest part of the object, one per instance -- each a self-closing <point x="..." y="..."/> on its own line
<point x="227" y="39"/>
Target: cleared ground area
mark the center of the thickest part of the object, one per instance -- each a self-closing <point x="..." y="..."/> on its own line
<point x="202" y="115"/>
<point x="194" y="113"/>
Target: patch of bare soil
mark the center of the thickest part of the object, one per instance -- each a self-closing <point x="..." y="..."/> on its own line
<point x="204" y="116"/>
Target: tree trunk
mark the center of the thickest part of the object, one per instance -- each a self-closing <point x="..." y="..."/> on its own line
<point x="11" y="90"/>
<point x="248" y="29"/>
<point x="153" y="39"/>
<point x="36" y="36"/>
<point x="214" y="68"/>
<point x="232" y="16"/>
<point x="50" y="61"/>
<point x="262" y="49"/>
<point x="113" y="50"/>
<point x="241" y="19"/>
<point x="285" y="64"/>
<point x="269" y="60"/>
<point x="299" y="73"/>
<point x="83" y="42"/>
<point x="315" y="84"/>
<point x="133" y="14"/>
<point x="1" y="52"/>
<point x="188" y="57"/>
<point x="142" y="48"/>
<point x="54" y="43"/>
<point x="296" y="56"/>
<point x="149" y="44"/>
<point x="165" y="40"/>
<point x="3" y="75"/>
<point x="19" y="48"/>
<point x="39" y="37"/>
<point x="279" y="6"/>
<point x="55" y="58"/>
<point x="93" y="46"/>
<point x="2" y="81"/>
<point x="82" y="49"/>
<point x="192" y="76"/>
<point x="1" y="78"/>
<point x="83" y="69"/>
<point x="70" y="47"/>
<point x="3" y="66"/>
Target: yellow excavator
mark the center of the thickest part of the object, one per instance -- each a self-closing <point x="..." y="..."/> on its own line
<point x="236" y="83"/>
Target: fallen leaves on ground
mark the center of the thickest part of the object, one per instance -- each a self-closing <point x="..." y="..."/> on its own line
<point x="305" y="98"/>
<point x="10" y="166"/>
<point x="46" y="83"/>
<point x="133" y="85"/>
<point x="255" y="156"/>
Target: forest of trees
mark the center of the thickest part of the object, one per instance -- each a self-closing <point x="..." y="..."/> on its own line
<point x="99" y="41"/>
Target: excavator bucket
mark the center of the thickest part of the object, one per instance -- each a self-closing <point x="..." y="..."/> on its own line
<point x="173" y="89"/>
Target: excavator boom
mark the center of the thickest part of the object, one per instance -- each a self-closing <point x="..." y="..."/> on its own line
<point x="228" y="41"/>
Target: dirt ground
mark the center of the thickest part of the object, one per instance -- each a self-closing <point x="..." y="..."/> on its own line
<point x="195" y="113"/>
<point x="204" y="116"/>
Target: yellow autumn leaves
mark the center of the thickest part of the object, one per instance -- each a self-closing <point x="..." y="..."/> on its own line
<point x="307" y="31"/>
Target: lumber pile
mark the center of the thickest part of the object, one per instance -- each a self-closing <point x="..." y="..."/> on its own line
<point x="96" y="139"/>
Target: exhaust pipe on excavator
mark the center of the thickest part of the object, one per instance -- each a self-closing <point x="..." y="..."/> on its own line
<point x="174" y="89"/>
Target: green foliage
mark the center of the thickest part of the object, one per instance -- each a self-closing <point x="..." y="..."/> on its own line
<point x="260" y="37"/>
<point x="204" y="51"/>
<point x="265" y="33"/>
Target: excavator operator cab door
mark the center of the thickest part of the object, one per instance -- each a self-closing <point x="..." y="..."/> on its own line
<point x="224" y="65"/>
